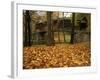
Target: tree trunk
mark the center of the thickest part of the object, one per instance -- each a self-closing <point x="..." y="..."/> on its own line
<point x="73" y="27"/>
<point x="25" y="34"/>
<point x="50" y="39"/>
<point x="27" y="29"/>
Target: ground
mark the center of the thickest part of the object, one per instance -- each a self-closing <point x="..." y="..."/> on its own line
<point x="60" y="55"/>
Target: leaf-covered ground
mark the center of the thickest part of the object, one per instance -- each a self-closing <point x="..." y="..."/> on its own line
<point x="60" y="55"/>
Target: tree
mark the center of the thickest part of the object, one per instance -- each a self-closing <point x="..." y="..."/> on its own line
<point x="73" y="26"/>
<point x="50" y="38"/>
<point x="27" y="29"/>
